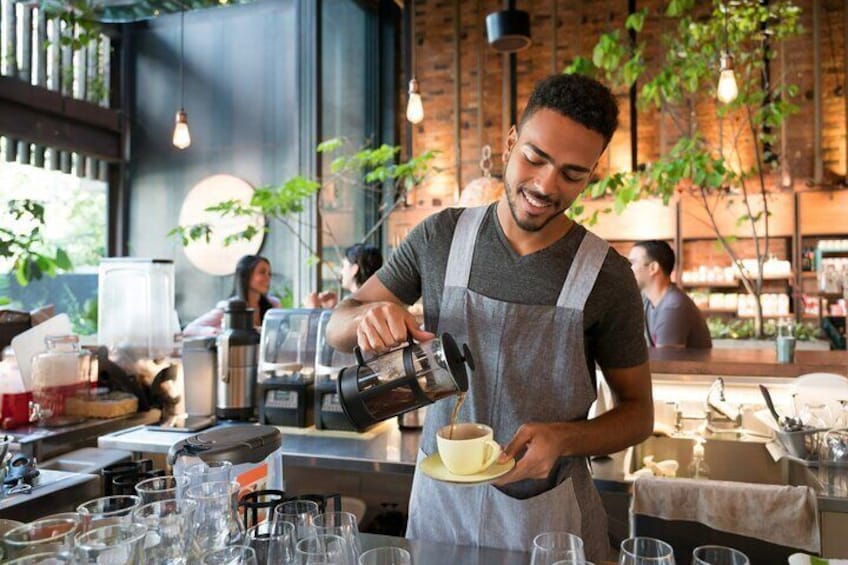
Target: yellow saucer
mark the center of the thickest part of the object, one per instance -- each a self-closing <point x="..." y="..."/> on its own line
<point x="433" y="467"/>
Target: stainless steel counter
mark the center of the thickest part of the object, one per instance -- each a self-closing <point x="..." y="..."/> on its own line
<point x="384" y="449"/>
<point x="44" y="443"/>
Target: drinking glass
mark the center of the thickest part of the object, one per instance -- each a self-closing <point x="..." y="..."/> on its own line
<point x="107" y="511"/>
<point x="121" y="544"/>
<point x="300" y="513"/>
<point x="232" y="555"/>
<point x="342" y="524"/>
<point x="324" y="549"/>
<point x="555" y="546"/>
<point x="718" y="555"/>
<point x="645" y="551"/>
<point x="273" y="542"/>
<point x="213" y="472"/>
<point x="217" y="523"/>
<point x="169" y="527"/>
<point x="42" y="559"/>
<point x="161" y="488"/>
<point x="573" y="562"/>
<point x="41" y="536"/>
<point x="833" y="462"/>
<point x="386" y="556"/>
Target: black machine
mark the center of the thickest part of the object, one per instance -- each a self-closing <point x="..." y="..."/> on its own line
<point x="287" y="400"/>
<point x="329" y="414"/>
<point x="286" y="387"/>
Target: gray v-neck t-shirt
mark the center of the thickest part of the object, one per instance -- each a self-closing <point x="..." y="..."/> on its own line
<point x="613" y="319"/>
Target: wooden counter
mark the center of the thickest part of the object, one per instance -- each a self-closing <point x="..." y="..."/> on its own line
<point x="745" y="362"/>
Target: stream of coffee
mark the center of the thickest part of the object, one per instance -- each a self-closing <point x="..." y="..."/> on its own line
<point x="460" y="398"/>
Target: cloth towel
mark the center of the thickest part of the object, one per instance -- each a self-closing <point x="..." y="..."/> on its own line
<point x="783" y="515"/>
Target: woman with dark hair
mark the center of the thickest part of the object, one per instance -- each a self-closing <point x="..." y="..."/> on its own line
<point x="251" y="283"/>
<point x="360" y="261"/>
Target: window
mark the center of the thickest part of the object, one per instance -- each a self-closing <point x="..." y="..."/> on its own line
<point x="75" y="219"/>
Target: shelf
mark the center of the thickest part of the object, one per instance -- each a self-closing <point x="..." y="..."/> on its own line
<point x="809" y="275"/>
<point x="718" y="310"/>
<point x="691" y="284"/>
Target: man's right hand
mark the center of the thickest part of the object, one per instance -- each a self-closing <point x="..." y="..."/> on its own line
<point x="386" y="325"/>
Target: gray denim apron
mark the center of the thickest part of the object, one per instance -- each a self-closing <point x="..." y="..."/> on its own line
<point x="530" y="367"/>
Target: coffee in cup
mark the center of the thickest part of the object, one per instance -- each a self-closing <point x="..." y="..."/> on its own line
<point x="467" y="448"/>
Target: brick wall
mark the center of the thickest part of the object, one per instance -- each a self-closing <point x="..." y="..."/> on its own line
<point x="556" y="40"/>
<point x="562" y="29"/>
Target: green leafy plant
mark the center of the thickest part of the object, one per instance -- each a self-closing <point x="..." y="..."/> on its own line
<point x="22" y="244"/>
<point x="715" y="174"/>
<point x="370" y="169"/>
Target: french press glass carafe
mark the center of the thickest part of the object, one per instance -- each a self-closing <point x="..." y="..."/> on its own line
<point x="403" y="379"/>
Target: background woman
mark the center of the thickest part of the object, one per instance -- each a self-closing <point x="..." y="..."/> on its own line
<point x="252" y="282"/>
<point x="359" y="263"/>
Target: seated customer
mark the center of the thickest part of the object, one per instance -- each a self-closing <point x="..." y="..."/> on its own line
<point x="671" y="318"/>
<point x="252" y="281"/>
<point x="359" y="263"/>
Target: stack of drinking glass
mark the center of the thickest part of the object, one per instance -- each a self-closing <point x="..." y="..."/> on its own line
<point x="188" y="519"/>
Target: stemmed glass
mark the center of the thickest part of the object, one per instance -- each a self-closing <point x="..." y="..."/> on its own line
<point x="232" y="555"/>
<point x="301" y="513"/>
<point x="386" y="556"/>
<point x="645" y="551"/>
<point x="111" y="545"/>
<point x="161" y="488"/>
<point x="107" y="511"/>
<point x="550" y="547"/>
<point x="718" y="555"/>
<point x="169" y="530"/>
<point x="42" y="559"/>
<point x="324" y="549"/>
<point x="217" y="523"/>
<point x="273" y="542"/>
<point x="41" y="536"/>
<point x="342" y="524"/>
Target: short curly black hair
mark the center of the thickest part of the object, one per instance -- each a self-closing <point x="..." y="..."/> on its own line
<point x="583" y="99"/>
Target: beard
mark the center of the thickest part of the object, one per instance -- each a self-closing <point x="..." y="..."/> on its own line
<point x="534" y="223"/>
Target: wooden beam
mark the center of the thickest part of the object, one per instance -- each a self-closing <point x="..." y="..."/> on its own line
<point x="40" y="116"/>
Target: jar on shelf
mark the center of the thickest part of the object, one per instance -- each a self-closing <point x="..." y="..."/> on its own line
<point x="59" y="373"/>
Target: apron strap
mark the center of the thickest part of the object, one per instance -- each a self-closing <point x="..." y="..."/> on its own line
<point x="461" y="254"/>
<point x="583" y="272"/>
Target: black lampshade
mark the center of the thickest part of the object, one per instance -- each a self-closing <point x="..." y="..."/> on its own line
<point x="509" y="30"/>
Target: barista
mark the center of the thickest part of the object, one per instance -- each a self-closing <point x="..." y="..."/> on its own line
<point x="360" y="261"/>
<point x="539" y="300"/>
<point x="671" y="318"/>
<point x="251" y="283"/>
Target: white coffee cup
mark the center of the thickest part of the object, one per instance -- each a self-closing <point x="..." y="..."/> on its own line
<point x="471" y="449"/>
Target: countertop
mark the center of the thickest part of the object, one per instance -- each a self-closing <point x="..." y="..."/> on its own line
<point x="745" y="362"/>
<point x="384" y="448"/>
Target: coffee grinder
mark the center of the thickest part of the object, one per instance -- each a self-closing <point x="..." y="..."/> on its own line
<point x="329" y="414"/>
<point x="286" y="367"/>
<point x="403" y="379"/>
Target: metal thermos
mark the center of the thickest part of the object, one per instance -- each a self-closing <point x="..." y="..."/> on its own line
<point x="238" y="346"/>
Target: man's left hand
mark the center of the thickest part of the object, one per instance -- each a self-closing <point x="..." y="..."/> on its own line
<point x="542" y="445"/>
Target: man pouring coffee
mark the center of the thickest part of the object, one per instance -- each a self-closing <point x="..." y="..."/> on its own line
<point x="539" y="300"/>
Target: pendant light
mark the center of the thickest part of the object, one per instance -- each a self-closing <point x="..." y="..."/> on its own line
<point x="414" y="106"/>
<point x="727" y="90"/>
<point x="508" y="31"/>
<point x="182" y="137"/>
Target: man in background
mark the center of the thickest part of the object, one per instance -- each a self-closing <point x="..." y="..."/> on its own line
<point x="671" y="318"/>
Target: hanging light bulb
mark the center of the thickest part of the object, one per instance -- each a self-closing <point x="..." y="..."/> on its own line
<point x="727" y="90"/>
<point x="414" y="107"/>
<point x="182" y="137"/>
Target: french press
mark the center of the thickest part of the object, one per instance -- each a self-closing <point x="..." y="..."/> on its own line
<point x="403" y="379"/>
